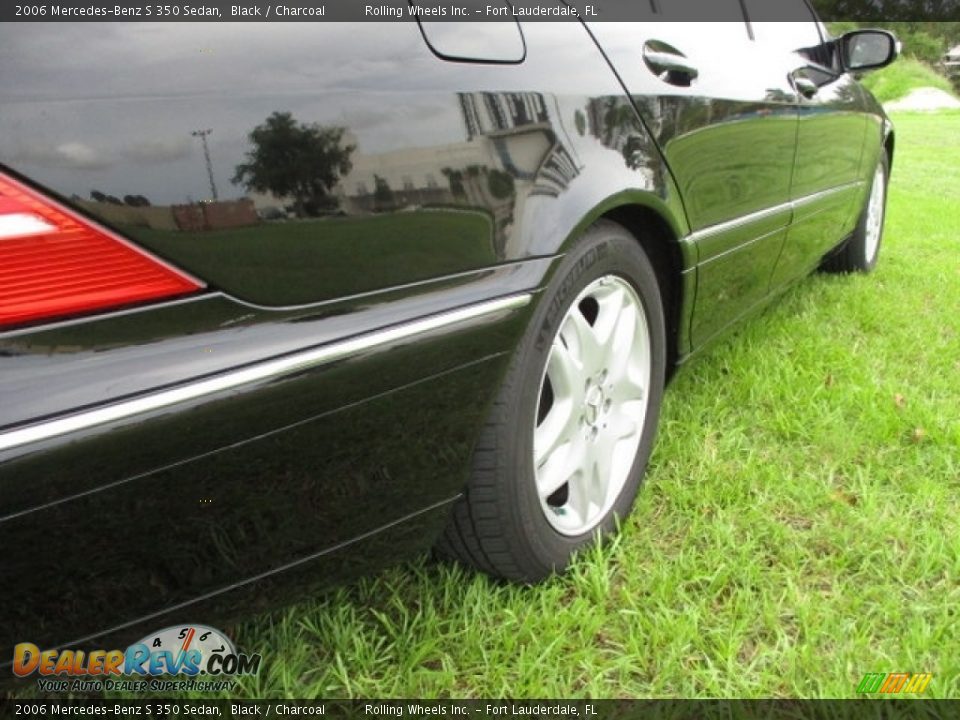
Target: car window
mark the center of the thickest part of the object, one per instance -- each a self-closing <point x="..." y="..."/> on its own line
<point x="702" y="10"/>
<point x="799" y="31"/>
<point x="789" y="36"/>
<point x="498" y="41"/>
<point x="778" y="11"/>
<point x="787" y="24"/>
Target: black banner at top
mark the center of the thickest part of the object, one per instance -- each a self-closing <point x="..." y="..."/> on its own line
<point x="474" y="10"/>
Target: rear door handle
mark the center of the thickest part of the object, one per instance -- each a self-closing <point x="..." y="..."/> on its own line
<point x="669" y="64"/>
<point x="804" y="85"/>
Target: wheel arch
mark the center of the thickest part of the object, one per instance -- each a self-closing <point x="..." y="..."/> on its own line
<point x="662" y="246"/>
<point x="659" y="230"/>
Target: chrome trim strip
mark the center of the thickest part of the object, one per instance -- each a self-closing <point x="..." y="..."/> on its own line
<point x="268" y="370"/>
<point x="807" y="199"/>
<point x="393" y="288"/>
<point x="109" y="314"/>
<point x="723" y="227"/>
<point x="745" y="243"/>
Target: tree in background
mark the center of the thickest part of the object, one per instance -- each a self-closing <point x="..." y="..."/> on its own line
<point x="104" y="198"/>
<point x="901" y="12"/>
<point x="136" y="201"/>
<point x="296" y="160"/>
<point x="500" y="184"/>
<point x="455" y="178"/>
<point x="382" y="194"/>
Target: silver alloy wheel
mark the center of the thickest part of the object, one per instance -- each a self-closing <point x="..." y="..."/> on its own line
<point x="594" y="393"/>
<point x="875" y="215"/>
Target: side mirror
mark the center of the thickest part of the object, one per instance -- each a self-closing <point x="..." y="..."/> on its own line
<point x="868" y="49"/>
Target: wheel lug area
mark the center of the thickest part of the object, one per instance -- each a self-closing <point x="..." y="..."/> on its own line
<point x="596" y="403"/>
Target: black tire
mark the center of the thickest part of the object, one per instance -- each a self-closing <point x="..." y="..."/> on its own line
<point x="498" y="526"/>
<point x="857" y="255"/>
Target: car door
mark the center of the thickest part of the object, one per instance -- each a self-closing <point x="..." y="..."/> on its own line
<point x="726" y="120"/>
<point x="827" y="187"/>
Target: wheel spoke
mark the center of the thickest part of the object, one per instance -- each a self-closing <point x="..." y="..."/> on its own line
<point x="602" y="464"/>
<point x="621" y="426"/>
<point x="565" y="370"/>
<point x="627" y="389"/>
<point x="613" y="302"/>
<point x="566" y="374"/>
<point x="580" y="336"/>
<point x="560" y="467"/>
<point x="556" y="429"/>
<point x="623" y="343"/>
<point x="579" y="499"/>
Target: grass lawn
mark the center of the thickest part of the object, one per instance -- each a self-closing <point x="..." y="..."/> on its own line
<point x="895" y="81"/>
<point x="798" y="528"/>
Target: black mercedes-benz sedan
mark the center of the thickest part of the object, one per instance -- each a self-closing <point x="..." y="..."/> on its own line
<point x="281" y="303"/>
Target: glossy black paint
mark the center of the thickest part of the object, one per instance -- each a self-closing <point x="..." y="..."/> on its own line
<point x="468" y="180"/>
<point x="441" y="136"/>
<point x="729" y="139"/>
<point x="81" y="364"/>
<point x="166" y="536"/>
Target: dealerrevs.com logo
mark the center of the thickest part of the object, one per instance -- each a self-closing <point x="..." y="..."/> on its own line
<point x="181" y="657"/>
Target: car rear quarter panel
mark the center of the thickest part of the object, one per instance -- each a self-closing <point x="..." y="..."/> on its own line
<point x="119" y="524"/>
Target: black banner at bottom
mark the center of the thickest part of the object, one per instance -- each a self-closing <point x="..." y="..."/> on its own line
<point x="490" y="709"/>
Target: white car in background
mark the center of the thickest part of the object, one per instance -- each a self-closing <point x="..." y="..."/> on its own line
<point x="951" y="62"/>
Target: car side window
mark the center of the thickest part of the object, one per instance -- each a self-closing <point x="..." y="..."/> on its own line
<point x="789" y="36"/>
<point x="798" y="31"/>
<point x="698" y="10"/>
<point x="497" y="41"/>
<point x="787" y="24"/>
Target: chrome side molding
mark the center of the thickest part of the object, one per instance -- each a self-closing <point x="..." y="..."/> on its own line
<point x="260" y="372"/>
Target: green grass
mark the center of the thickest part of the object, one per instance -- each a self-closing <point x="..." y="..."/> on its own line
<point x="906" y="74"/>
<point x="798" y="528"/>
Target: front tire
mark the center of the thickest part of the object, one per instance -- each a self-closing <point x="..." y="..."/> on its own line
<point x="563" y="452"/>
<point x="862" y="250"/>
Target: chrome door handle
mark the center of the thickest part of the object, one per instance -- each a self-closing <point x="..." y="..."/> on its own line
<point x="804" y="85"/>
<point x="669" y="64"/>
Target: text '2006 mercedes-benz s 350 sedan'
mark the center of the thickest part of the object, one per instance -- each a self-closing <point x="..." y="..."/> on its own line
<point x="282" y="303"/>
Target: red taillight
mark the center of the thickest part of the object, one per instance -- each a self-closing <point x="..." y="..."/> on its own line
<point x="55" y="263"/>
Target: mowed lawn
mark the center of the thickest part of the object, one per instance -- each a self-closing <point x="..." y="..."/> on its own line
<point x="798" y="528"/>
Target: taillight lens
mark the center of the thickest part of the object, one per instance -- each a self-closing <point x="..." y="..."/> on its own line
<point x="55" y="263"/>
